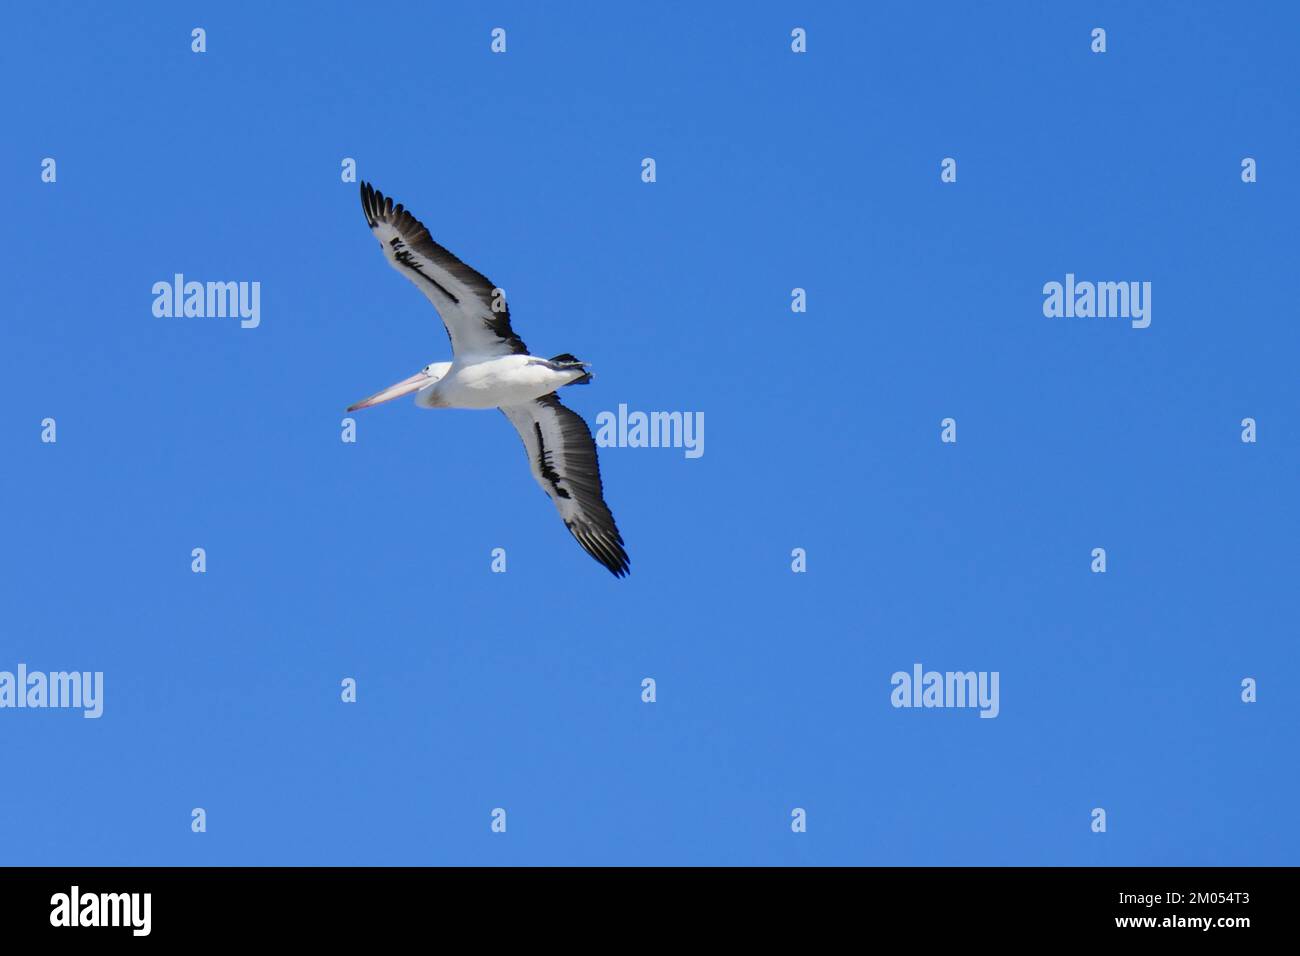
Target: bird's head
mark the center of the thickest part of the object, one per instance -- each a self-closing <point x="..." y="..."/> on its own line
<point x="425" y="377"/>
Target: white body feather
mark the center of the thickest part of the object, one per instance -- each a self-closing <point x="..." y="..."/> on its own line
<point x="494" y="382"/>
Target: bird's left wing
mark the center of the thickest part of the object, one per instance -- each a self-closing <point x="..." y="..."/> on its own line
<point x="472" y="309"/>
<point x="562" y="456"/>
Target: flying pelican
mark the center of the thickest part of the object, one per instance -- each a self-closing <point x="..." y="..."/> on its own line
<point x="491" y="368"/>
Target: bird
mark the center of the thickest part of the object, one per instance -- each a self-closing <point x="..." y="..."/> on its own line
<point x="492" y="368"/>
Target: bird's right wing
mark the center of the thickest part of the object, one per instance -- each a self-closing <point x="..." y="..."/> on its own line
<point x="472" y="309"/>
<point x="562" y="456"/>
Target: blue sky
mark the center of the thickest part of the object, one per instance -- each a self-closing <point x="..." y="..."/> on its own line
<point x="522" y="690"/>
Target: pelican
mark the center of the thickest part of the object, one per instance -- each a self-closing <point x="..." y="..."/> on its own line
<point x="490" y="368"/>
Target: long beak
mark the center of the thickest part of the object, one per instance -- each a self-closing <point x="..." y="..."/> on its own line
<point x="405" y="387"/>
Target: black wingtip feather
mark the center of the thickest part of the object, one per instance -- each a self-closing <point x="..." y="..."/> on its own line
<point x="368" y="203"/>
<point x="605" y="548"/>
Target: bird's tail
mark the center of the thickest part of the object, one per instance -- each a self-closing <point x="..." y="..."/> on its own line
<point x="565" y="361"/>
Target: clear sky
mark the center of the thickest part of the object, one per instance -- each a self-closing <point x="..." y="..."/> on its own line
<point x="774" y="171"/>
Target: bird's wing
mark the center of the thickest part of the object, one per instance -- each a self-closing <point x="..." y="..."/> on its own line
<point x="562" y="456"/>
<point x="472" y="309"/>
